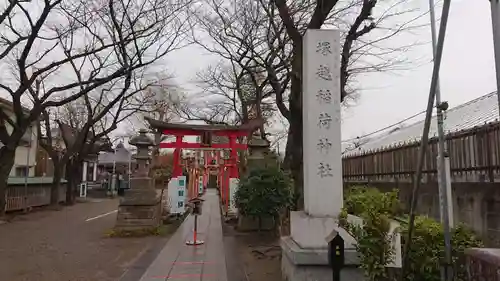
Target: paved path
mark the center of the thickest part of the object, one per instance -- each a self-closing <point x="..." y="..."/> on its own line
<point x="67" y="245"/>
<point x="206" y="262"/>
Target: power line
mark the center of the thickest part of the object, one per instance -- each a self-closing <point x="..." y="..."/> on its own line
<point x="384" y="128"/>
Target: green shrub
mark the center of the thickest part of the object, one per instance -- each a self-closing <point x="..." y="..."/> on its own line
<point x="373" y="237"/>
<point x="361" y="199"/>
<point x="427" y="249"/>
<point x="263" y="193"/>
<point x="377" y="208"/>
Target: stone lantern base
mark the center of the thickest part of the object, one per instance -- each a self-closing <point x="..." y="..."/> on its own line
<point x="140" y="208"/>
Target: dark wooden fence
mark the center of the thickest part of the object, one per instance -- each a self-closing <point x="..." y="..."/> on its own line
<point x="474" y="156"/>
<point x="35" y="193"/>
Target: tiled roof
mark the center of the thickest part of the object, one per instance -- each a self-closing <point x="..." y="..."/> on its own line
<point x="122" y="155"/>
<point x="465" y="116"/>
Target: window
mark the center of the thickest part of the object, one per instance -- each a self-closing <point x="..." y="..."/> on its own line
<point x="22" y="171"/>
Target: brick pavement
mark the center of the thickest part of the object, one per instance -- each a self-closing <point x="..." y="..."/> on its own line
<point x="207" y="262"/>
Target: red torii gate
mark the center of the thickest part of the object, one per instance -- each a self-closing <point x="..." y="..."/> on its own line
<point x="206" y="132"/>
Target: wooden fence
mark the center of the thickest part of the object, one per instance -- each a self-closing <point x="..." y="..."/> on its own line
<point x="474" y="156"/>
<point x="37" y="192"/>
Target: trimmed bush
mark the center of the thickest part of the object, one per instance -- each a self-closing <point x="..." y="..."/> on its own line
<point x="263" y="193"/>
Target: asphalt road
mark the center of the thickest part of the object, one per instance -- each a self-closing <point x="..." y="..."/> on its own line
<point x="68" y="245"/>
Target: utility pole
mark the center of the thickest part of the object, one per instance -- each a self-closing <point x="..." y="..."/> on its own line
<point x="495" y="20"/>
<point x="443" y="185"/>
<point x="423" y="146"/>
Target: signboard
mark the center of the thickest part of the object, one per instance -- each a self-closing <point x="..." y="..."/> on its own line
<point x="181" y="194"/>
<point x="83" y="190"/>
<point x="233" y="186"/>
<point x="177" y="194"/>
<point x="200" y="186"/>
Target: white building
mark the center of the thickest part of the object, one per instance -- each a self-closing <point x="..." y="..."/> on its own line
<point x="25" y="159"/>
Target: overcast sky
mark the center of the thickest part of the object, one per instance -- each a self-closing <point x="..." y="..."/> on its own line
<point x="467" y="72"/>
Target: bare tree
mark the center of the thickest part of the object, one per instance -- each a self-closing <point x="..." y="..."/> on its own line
<point x="89" y="119"/>
<point x="239" y="83"/>
<point x="84" y="46"/>
<point x="162" y="101"/>
<point x="228" y="97"/>
<point x="269" y="33"/>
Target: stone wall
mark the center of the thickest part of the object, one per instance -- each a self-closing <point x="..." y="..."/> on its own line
<point x="483" y="264"/>
<point x="476" y="204"/>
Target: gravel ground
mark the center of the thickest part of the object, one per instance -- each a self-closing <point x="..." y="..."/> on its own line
<point x="252" y="256"/>
<point x="68" y="245"/>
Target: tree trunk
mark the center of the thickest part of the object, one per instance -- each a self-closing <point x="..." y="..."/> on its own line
<point x="294" y="162"/>
<point x="294" y="146"/>
<point x="69" y="180"/>
<point x="7" y="156"/>
<point x="73" y="172"/>
<point x="56" y="183"/>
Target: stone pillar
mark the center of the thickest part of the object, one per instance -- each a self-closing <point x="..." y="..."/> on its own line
<point x="85" y="171"/>
<point x="305" y="250"/>
<point x="94" y="172"/>
<point x="140" y="207"/>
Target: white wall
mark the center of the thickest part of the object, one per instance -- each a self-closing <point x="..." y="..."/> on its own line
<point x="21" y="158"/>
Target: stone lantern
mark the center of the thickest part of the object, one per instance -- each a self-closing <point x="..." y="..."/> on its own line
<point x="258" y="147"/>
<point x="258" y="150"/>
<point x="143" y="142"/>
<point x="140" y="207"/>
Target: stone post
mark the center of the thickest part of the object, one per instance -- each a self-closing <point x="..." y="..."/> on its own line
<point x="94" y="171"/>
<point x="140" y="207"/>
<point x="304" y="252"/>
<point x="85" y="171"/>
<point x="99" y="145"/>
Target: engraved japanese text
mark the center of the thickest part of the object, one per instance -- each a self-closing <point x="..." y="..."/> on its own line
<point x="324" y="120"/>
<point x="324" y="170"/>
<point x="324" y="48"/>
<point x="324" y="145"/>
<point x="324" y="96"/>
<point x="324" y="72"/>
